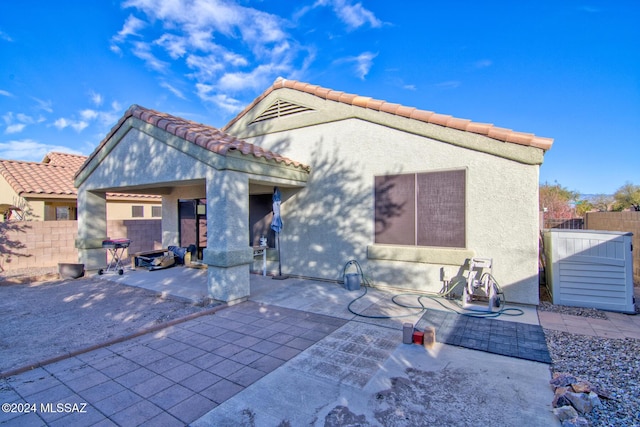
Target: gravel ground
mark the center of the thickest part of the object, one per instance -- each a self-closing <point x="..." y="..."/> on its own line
<point x="613" y="364"/>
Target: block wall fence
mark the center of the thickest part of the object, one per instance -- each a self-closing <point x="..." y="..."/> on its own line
<point x="619" y="221"/>
<point x="39" y="244"/>
<point x="36" y="244"/>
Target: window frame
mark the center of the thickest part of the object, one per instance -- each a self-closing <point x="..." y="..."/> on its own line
<point x="134" y="213"/>
<point x="458" y="239"/>
<point x="60" y="209"/>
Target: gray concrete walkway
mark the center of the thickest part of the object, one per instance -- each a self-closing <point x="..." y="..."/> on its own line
<point x="292" y="355"/>
<point x="171" y="377"/>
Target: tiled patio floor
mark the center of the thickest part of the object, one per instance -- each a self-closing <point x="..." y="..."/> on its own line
<point x="171" y="377"/>
<point x="178" y="374"/>
<point x="511" y="339"/>
<point x="618" y="325"/>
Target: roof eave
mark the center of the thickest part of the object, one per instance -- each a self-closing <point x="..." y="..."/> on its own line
<point x="366" y="103"/>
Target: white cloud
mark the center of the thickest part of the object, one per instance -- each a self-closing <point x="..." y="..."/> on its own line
<point x="143" y="51"/>
<point x="15" y="128"/>
<point x="173" y="90"/>
<point x="227" y="47"/>
<point x="258" y="78"/>
<point x="96" y="98"/>
<point x="130" y="28"/>
<point x="79" y="126"/>
<point x="6" y="93"/>
<point x="354" y="15"/>
<point x="30" y="150"/>
<point x="25" y="119"/>
<point x="589" y="9"/>
<point x="227" y="103"/>
<point x="4" y="36"/>
<point x="175" y="45"/>
<point x="206" y="67"/>
<point x="225" y="17"/>
<point x="16" y="123"/>
<point x="234" y="59"/>
<point x="450" y="84"/>
<point x="44" y="105"/>
<point x="61" y="123"/>
<point x="483" y="63"/>
<point x="115" y="106"/>
<point x="362" y="63"/>
<point x="261" y="28"/>
<point x="88" y="114"/>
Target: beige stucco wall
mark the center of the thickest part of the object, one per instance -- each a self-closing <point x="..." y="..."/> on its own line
<point x="331" y="221"/>
<point x="123" y="209"/>
<point x="50" y="206"/>
<point x="35" y="209"/>
<point x="7" y="195"/>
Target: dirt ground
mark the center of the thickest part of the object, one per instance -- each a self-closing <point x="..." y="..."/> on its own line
<point x="46" y="319"/>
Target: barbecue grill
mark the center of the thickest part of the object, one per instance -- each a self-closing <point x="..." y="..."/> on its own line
<point x="116" y="248"/>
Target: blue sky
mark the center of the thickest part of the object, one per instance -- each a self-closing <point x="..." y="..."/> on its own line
<point x="568" y="70"/>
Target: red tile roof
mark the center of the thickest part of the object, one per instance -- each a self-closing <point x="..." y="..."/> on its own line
<point x="489" y="130"/>
<point x="52" y="177"/>
<point x="207" y="137"/>
<point x="64" y="159"/>
<point x="31" y="178"/>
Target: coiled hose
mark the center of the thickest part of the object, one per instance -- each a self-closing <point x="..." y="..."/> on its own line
<point x="434" y="296"/>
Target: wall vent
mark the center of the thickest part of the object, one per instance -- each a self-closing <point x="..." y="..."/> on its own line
<point x="280" y="108"/>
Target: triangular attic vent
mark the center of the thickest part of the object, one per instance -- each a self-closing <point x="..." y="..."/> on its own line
<point x="280" y="108"/>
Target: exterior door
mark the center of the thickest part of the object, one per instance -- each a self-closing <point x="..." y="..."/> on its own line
<point x="192" y="216"/>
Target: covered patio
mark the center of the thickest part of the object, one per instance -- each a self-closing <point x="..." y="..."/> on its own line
<point x="156" y="153"/>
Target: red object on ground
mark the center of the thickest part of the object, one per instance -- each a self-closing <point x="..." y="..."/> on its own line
<point x="418" y="337"/>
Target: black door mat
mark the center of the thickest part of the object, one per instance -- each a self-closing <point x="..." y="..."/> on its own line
<point x="511" y="339"/>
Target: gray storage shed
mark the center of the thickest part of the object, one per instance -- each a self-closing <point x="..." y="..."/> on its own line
<point x="588" y="268"/>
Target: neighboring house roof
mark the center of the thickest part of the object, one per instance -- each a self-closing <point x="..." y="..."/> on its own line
<point x="489" y="130"/>
<point x="207" y="137"/>
<point x="51" y="178"/>
<point x="31" y="178"/>
<point x="64" y="159"/>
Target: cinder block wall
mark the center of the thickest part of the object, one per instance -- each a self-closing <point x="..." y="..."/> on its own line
<point x="37" y="244"/>
<point x="145" y="234"/>
<point x="619" y="221"/>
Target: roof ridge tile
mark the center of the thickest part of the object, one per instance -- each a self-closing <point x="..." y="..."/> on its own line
<point x="207" y="137"/>
<point x="361" y="101"/>
<point x="465" y="125"/>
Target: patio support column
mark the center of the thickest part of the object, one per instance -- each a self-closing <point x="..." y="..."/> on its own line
<point x="228" y="253"/>
<point x="92" y="229"/>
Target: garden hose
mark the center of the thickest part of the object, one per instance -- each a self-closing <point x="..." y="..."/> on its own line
<point x="434" y="296"/>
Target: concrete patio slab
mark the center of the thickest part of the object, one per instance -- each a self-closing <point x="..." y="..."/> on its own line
<point x="182" y="282"/>
<point x="292" y="354"/>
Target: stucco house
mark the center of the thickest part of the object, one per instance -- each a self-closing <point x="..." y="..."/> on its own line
<point x="410" y="194"/>
<point x="44" y="191"/>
